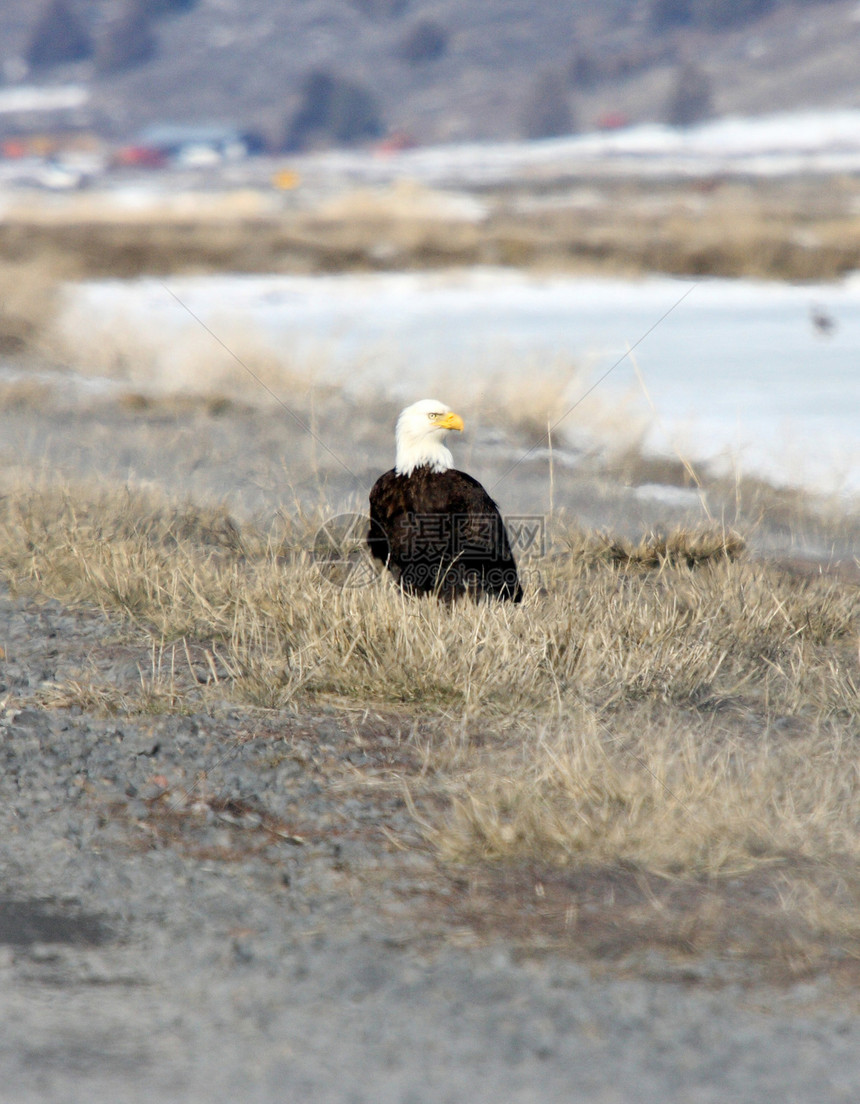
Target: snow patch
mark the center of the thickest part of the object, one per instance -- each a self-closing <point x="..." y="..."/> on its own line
<point x="32" y="98"/>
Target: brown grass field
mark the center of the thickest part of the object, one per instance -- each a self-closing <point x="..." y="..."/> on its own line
<point x="796" y="229"/>
<point x="664" y="734"/>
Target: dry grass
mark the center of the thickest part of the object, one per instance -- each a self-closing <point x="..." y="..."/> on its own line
<point x="782" y="229"/>
<point x="670" y="705"/>
<point x="159" y="367"/>
<point x="29" y="296"/>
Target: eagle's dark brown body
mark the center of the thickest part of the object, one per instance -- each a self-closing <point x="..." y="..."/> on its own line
<point x="441" y="533"/>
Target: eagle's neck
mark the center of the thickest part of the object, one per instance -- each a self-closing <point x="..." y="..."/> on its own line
<point x="417" y="452"/>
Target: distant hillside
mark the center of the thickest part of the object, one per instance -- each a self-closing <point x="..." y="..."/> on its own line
<point x="319" y="72"/>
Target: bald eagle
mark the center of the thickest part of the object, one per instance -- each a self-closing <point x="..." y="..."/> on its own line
<point x="436" y="529"/>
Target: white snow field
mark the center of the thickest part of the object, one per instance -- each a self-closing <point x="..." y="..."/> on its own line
<point x="731" y="369"/>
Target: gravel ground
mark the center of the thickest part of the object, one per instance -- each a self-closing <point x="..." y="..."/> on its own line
<point x="237" y="906"/>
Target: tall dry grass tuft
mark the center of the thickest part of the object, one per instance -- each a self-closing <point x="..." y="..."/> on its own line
<point x="670" y="704"/>
<point x="232" y="361"/>
<point x="531" y="397"/>
<point x="29" y="301"/>
<point x="522" y="400"/>
<point x="644" y="791"/>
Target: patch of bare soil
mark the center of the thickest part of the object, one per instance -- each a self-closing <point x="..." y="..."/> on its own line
<point x="738" y="930"/>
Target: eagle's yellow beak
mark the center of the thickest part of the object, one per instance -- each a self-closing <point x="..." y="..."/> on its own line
<point x="451" y="421"/>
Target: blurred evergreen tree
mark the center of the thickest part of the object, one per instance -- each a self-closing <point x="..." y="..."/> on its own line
<point x="584" y="69"/>
<point x="546" y="112"/>
<point x="333" y="109"/>
<point x="665" y="14"/>
<point x="59" y="36"/>
<point x="425" y="40"/>
<point x="716" y="15"/>
<point x="690" y="99"/>
<point x="128" y="39"/>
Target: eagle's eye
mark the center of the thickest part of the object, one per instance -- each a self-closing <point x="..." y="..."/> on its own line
<point x="434" y="417"/>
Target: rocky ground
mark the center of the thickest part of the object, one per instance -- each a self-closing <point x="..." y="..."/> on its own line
<point x="242" y="905"/>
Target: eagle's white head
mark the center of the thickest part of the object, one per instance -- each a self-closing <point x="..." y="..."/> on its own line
<point x="420" y="434"/>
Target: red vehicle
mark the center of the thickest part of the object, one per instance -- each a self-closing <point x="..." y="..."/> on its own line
<point x="144" y="157"/>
